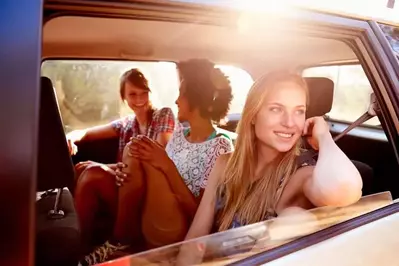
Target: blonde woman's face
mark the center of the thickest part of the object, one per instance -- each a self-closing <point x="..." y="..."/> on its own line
<point x="280" y="121"/>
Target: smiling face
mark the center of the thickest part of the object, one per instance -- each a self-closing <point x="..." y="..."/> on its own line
<point x="281" y="118"/>
<point x="136" y="98"/>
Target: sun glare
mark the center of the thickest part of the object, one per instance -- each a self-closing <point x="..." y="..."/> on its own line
<point x="367" y="8"/>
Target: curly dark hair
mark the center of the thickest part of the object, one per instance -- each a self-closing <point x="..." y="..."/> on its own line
<point x="206" y="88"/>
<point x="135" y="77"/>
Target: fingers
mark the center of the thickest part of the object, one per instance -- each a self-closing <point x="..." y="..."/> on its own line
<point x="141" y="144"/>
<point x="120" y="177"/>
<point x="313" y="143"/>
<point x="140" y="151"/>
<point x="147" y="140"/>
<point x="120" y="165"/>
<point x="73" y="149"/>
<point x="307" y="129"/>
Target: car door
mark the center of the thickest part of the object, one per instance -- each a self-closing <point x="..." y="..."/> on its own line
<point x="343" y="243"/>
<point x="20" y="45"/>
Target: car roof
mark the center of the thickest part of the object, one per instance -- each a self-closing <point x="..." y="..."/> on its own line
<point x="358" y="9"/>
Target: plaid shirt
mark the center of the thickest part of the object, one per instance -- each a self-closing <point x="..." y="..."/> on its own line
<point x="163" y="121"/>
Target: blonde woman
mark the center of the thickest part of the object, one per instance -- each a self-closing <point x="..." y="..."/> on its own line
<point x="268" y="172"/>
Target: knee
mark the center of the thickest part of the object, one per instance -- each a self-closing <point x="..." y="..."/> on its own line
<point x="132" y="164"/>
<point x="93" y="177"/>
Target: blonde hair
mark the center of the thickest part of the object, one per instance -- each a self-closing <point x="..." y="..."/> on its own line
<point x="239" y="188"/>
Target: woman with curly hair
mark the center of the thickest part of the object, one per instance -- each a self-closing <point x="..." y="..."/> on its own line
<point x="160" y="190"/>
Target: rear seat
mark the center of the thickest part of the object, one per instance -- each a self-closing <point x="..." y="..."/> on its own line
<point x="57" y="229"/>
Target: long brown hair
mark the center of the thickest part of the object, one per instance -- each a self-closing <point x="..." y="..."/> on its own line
<point x="246" y="197"/>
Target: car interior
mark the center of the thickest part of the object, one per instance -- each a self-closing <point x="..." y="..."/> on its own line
<point x="254" y="48"/>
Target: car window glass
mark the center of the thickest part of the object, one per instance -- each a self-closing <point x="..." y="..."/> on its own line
<point x="352" y="91"/>
<point x="240" y="243"/>
<point x="88" y="91"/>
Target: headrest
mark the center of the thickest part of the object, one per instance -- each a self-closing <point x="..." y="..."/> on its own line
<point x="321" y="94"/>
<point x="55" y="167"/>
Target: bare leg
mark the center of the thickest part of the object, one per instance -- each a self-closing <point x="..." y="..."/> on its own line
<point x="95" y="188"/>
<point x="127" y="228"/>
<point x="163" y="220"/>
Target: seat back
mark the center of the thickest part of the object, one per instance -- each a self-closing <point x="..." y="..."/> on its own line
<point x="321" y="94"/>
<point x="55" y="169"/>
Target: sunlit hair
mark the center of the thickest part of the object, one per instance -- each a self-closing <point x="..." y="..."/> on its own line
<point x="247" y="197"/>
<point x="135" y="77"/>
<point x="207" y="88"/>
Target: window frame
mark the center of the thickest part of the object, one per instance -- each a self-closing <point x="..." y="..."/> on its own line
<point x="382" y="73"/>
<point x="319" y="236"/>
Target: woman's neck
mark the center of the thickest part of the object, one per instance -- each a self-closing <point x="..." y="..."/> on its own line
<point x="266" y="155"/>
<point x="200" y="129"/>
<point x="143" y="117"/>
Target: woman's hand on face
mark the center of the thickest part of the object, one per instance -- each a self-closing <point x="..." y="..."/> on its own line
<point x="315" y="129"/>
<point x="146" y="149"/>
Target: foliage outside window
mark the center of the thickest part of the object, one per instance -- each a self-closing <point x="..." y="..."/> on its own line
<point x="88" y="91"/>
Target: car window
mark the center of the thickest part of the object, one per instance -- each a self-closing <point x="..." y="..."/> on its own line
<point x="88" y="91"/>
<point x="352" y="91"/>
<point x="240" y="243"/>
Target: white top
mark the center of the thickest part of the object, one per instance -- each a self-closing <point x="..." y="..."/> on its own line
<point x="194" y="161"/>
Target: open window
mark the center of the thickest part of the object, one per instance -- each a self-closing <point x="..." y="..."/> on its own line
<point x="88" y="90"/>
<point x="256" y="45"/>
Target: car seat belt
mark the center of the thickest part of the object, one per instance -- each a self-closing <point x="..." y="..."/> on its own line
<point x="372" y="111"/>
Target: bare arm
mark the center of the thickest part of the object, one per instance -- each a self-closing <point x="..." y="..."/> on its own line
<point x="163" y="138"/>
<point x="93" y="133"/>
<point x="204" y="218"/>
<point x="334" y="181"/>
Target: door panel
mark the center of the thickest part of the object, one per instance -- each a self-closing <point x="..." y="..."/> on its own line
<point x="350" y="248"/>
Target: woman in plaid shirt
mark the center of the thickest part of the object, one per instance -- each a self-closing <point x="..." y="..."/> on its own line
<point x="156" y="124"/>
<point x="163" y="187"/>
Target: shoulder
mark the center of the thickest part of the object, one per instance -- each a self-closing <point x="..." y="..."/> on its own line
<point x="220" y="166"/>
<point x="224" y="141"/>
<point x="127" y="118"/>
<point x="122" y="122"/>
<point x="163" y="112"/>
<point x="223" y="159"/>
<point x="164" y="120"/>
